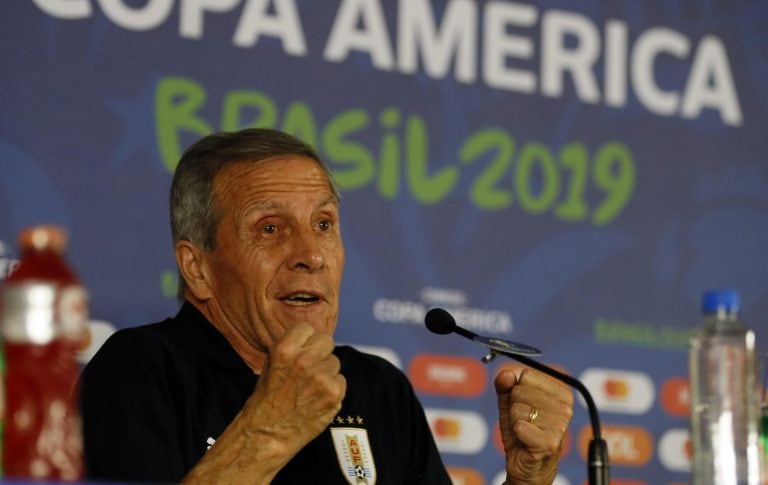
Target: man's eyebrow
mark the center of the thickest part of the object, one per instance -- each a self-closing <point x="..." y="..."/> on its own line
<point x="332" y="199"/>
<point x="268" y="205"/>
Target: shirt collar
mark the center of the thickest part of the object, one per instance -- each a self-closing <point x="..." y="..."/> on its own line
<point x="208" y="340"/>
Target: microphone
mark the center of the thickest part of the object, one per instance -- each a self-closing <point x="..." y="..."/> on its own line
<point x="441" y="322"/>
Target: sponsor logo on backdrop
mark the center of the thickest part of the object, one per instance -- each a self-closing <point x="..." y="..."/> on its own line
<point x="675" y="397"/>
<point x="7" y="262"/>
<point x="561" y="480"/>
<point x="447" y="375"/>
<point x="465" y="476"/>
<point x="97" y="332"/>
<point x="387" y="310"/>
<point x="385" y="353"/>
<point x="675" y="450"/>
<point x="463" y="432"/>
<point x="627" y="445"/>
<point x="619" y="391"/>
<point x="354" y="454"/>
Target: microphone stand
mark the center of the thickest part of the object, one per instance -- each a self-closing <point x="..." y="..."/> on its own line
<point x="597" y="458"/>
<point x="441" y="322"/>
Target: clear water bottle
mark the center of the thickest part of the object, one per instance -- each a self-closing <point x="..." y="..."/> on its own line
<point x="724" y="396"/>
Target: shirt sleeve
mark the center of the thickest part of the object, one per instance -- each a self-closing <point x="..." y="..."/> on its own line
<point x="130" y="431"/>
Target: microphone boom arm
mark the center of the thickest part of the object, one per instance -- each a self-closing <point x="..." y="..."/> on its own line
<point x="441" y="322"/>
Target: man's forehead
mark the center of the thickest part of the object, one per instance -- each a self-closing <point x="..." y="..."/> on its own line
<point x="275" y="169"/>
<point x="274" y="204"/>
<point x="264" y="183"/>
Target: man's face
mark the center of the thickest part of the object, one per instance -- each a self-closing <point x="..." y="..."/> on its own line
<point x="278" y="257"/>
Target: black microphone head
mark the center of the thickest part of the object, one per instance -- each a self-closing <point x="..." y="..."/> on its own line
<point x="440" y="321"/>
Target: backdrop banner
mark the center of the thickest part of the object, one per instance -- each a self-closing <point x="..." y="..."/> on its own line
<point x="571" y="175"/>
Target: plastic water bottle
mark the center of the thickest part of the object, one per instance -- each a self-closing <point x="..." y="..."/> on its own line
<point x="724" y="396"/>
<point x="44" y="310"/>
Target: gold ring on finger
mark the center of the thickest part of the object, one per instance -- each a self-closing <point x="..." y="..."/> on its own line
<point x="533" y="414"/>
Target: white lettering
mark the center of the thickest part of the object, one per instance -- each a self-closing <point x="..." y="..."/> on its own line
<point x="151" y="15"/>
<point x="372" y="38"/>
<point x="556" y="58"/>
<point x="616" y="36"/>
<point x="711" y="64"/>
<point x="416" y="29"/>
<point x="447" y="374"/>
<point x="397" y="311"/>
<point x="65" y="9"/>
<point x="285" y="25"/>
<point x="192" y="13"/>
<point x="571" y="47"/>
<point x="498" y="45"/>
<point x="648" y="46"/>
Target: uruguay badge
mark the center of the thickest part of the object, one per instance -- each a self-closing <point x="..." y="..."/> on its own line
<point x="354" y="454"/>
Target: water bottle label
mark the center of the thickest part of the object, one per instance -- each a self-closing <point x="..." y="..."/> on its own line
<point x="28" y="313"/>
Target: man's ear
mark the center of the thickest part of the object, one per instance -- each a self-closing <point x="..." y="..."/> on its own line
<point x="193" y="266"/>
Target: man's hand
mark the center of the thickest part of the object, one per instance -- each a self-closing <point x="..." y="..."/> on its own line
<point x="534" y="413"/>
<point x="300" y="390"/>
<point x="298" y="394"/>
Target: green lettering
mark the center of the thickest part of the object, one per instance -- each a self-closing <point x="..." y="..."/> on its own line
<point x="574" y="158"/>
<point x="169" y="283"/>
<point x="352" y="155"/>
<point x="300" y="122"/>
<point x="236" y="101"/>
<point x="427" y="189"/>
<point x="614" y="174"/>
<point x="389" y="155"/>
<point x="177" y="100"/>
<point x="485" y="192"/>
<point x="534" y="154"/>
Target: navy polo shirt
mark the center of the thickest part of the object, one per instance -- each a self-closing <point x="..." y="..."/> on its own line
<point x="155" y="397"/>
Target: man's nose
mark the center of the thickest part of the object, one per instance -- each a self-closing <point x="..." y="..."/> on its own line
<point x="306" y="252"/>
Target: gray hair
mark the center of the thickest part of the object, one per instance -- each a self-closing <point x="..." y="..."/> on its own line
<point x="193" y="214"/>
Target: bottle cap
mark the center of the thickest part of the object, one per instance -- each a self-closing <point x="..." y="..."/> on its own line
<point x="721" y="300"/>
<point x="43" y="237"/>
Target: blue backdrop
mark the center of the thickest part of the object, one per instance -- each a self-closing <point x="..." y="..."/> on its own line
<point x="568" y="174"/>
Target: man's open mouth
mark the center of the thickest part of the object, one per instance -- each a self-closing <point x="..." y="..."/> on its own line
<point x="300" y="298"/>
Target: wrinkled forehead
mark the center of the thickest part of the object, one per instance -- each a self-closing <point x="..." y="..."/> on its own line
<point x="276" y="176"/>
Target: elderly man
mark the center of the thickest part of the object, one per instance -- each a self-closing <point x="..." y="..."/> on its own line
<point x="245" y="384"/>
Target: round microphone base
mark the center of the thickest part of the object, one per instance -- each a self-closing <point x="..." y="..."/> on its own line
<point x="507" y="346"/>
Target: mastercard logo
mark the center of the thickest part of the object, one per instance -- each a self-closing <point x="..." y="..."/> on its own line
<point x="675" y="450"/>
<point x="446" y="428"/>
<point x="616" y="389"/>
<point x="447" y="375"/>
<point x="627" y="445"/>
<point x="96" y="333"/>
<point x="675" y="397"/>
<point x="620" y="391"/>
<point x="463" y="432"/>
<point x="465" y="476"/>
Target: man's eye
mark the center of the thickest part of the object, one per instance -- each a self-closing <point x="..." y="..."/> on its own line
<point x="269" y="229"/>
<point x="324" y="225"/>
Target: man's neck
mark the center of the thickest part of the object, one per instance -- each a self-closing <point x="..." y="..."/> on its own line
<point x="254" y="358"/>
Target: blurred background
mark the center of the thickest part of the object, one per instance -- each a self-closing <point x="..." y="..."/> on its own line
<point x="572" y="175"/>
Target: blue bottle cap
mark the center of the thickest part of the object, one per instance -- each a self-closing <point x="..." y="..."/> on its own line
<point x="726" y="300"/>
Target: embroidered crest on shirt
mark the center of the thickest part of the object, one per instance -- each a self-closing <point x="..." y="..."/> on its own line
<point x="354" y="453"/>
